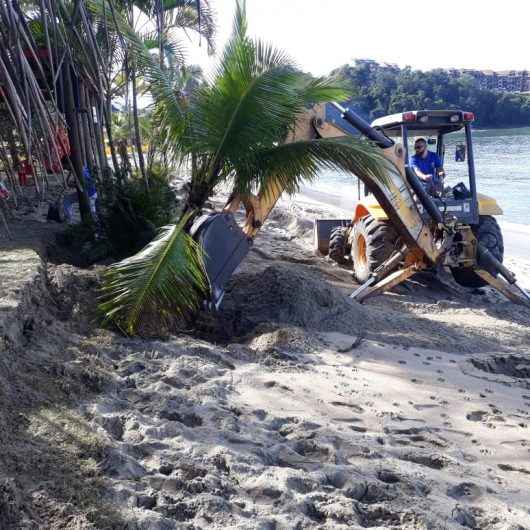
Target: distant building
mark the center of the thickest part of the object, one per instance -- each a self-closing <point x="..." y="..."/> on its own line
<point x="502" y="81"/>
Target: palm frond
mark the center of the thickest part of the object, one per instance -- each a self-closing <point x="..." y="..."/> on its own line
<point x="163" y="280"/>
<point x="292" y="163"/>
<point x="323" y="89"/>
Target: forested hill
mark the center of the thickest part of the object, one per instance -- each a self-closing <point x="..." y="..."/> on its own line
<point x="382" y="90"/>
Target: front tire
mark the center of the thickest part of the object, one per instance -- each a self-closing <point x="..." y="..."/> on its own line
<point x="372" y="243"/>
<point x="489" y="234"/>
<point x="339" y="247"/>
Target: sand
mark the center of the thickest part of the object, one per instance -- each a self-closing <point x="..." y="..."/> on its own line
<point x="297" y="407"/>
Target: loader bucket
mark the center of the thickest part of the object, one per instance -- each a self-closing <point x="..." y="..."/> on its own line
<point x="322" y="231"/>
<point x="224" y="246"/>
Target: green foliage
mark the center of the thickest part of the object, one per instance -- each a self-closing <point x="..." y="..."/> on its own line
<point x="162" y="282"/>
<point x="236" y="127"/>
<point x="381" y="90"/>
<point x="131" y="214"/>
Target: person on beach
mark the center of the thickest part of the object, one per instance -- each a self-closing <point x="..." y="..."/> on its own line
<point x="428" y="167"/>
<point x="72" y="198"/>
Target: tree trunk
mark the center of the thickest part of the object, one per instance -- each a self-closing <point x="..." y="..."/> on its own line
<point x="137" y="136"/>
<point x="108" y="126"/>
<point x="87" y="133"/>
<point x="76" y="156"/>
<point x="97" y="126"/>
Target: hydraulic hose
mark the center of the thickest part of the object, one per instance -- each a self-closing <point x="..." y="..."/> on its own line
<point x="364" y="127"/>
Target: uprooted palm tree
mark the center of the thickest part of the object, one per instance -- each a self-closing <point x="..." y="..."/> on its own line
<point x="231" y="130"/>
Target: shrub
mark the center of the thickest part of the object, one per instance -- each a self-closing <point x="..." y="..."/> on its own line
<point x="130" y="213"/>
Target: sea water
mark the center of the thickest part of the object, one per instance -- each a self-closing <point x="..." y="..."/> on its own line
<point x="502" y="167"/>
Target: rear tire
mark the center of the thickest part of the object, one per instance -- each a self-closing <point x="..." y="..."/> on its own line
<point x="339" y="247"/>
<point x="489" y="234"/>
<point x="372" y="243"/>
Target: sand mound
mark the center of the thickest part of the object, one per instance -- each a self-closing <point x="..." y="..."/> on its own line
<point x="286" y="294"/>
<point x="285" y="339"/>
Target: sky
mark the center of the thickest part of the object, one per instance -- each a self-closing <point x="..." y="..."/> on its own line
<point x="321" y="35"/>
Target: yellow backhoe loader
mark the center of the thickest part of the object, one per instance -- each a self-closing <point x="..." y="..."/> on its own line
<point x="397" y="230"/>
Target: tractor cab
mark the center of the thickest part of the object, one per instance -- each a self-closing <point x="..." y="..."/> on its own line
<point x="448" y="134"/>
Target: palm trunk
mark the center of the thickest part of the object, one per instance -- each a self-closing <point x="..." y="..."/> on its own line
<point x="76" y="156"/>
<point x="137" y="136"/>
<point x="108" y="126"/>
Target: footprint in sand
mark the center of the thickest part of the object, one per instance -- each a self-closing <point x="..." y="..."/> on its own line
<point x="522" y="443"/>
<point x="356" y="408"/>
<point x="508" y="467"/>
<point x="424" y="406"/>
<point x="476" y="415"/>
<point x="348" y="420"/>
<point x="358" y="429"/>
<point x="465" y="491"/>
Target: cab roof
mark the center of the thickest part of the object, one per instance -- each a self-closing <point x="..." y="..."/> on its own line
<point x="425" y="122"/>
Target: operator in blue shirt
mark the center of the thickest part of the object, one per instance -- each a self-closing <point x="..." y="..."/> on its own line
<point x="428" y="167"/>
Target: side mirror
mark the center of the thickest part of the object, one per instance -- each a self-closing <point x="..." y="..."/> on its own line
<point x="431" y="141"/>
<point x="460" y="153"/>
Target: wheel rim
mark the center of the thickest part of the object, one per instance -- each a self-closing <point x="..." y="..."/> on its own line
<point x="361" y="251"/>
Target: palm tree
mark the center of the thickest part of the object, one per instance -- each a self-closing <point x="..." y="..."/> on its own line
<point x="232" y="129"/>
<point x="157" y="23"/>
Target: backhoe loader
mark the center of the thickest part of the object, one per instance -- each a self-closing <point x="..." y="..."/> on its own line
<point x="397" y="230"/>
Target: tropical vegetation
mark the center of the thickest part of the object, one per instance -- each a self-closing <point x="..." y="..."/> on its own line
<point x="387" y="89"/>
<point x="88" y="67"/>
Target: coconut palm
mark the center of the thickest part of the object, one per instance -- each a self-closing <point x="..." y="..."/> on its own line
<point x="230" y="130"/>
<point x="161" y="25"/>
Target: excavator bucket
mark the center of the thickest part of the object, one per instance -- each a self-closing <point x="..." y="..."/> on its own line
<point x="224" y="245"/>
<point x="322" y="232"/>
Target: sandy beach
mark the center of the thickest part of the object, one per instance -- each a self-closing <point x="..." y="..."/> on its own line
<point x="294" y="407"/>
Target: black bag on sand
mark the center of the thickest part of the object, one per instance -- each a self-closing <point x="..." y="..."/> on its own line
<point x="56" y="212"/>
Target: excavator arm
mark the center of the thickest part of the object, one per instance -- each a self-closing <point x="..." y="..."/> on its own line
<point x="401" y="195"/>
